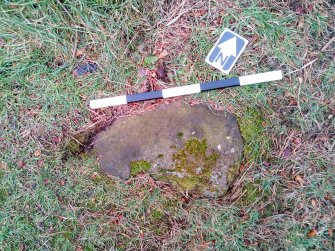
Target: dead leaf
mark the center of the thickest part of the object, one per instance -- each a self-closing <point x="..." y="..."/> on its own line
<point x="161" y="71"/>
<point x="50" y="230"/>
<point x="267" y="164"/>
<point x="247" y="242"/>
<point x="300" y="180"/>
<point x="37" y="153"/>
<point x="314" y="203"/>
<point x="287" y="152"/>
<point x="293" y="102"/>
<point x="58" y="61"/>
<point x="245" y="216"/>
<point x="79" y="53"/>
<point x="40" y="163"/>
<point x="94" y="176"/>
<point x="163" y="54"/>
<point x="2" y="43"/>
<point x="288" y="95"/>
<point x="297" y="141"/>
<point x="22" y="247"/>
<point x="198" y="13"/>
<point x="330" y="198"/>
<point x="330" y="232"/>
<point x="312" y="233"/>
<point x="3" y="165"/>
<point x="21" y="164"/>
<point x="144" y="87"/>
<point x="310" y="7"/>
<point x="301" y="22"/>
<point x="56" y="139"/>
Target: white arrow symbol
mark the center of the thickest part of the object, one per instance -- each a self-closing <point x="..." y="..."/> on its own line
<point x="227" y="49"/>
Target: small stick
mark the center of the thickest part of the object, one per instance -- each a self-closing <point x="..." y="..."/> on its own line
<point x="327" y="44"/>
<point x="188" y="89"/>
<point x="303" y="67"/>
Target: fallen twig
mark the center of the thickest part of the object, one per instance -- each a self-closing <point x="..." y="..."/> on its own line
<point x="327" y="44"/>
<point x="291" y="72"/>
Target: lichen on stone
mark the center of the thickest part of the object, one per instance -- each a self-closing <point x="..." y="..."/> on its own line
<point x="193" y="165"/>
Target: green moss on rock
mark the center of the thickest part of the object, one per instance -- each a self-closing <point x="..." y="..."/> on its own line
<point x="193" y="166"/>
<point x="233" y="171"/>
<point x="180" y="134"/>
<point x="139" y="166"/>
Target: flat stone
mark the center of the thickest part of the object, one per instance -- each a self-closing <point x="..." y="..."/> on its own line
<point x="193" y="148"/>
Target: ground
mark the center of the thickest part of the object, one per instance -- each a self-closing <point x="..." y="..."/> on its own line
<point x="284" y="196"/>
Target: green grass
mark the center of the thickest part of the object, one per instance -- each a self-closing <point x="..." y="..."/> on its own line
<point x="47" y="203"/>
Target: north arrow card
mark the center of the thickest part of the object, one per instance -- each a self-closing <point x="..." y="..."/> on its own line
<point x="226" y="51"/>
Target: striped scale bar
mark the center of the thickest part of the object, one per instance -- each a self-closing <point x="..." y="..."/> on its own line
<point x="188" y="89"/>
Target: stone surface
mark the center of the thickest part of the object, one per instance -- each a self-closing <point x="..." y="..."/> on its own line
<point x="193" y="148"/>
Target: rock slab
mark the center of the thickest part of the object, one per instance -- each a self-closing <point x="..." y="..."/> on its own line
<point x="193" y="148"/>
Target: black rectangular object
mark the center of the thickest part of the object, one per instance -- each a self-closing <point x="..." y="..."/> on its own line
<point x="144" y="96"/>
<point x="211" y="85"/>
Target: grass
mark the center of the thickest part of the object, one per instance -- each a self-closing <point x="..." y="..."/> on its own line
<point x="49" y="203"/>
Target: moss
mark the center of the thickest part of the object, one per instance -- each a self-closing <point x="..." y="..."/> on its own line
<point x="251" y="128"/>
<point x="3" y="192"/>
<point x="73" y="147"/>
<point x="76" y="144"/>
<point x="157" y="214"/>
<point x="253" y="191"/>
<point x="188" y="183"/>
<point x="180" y="134"/>
<point x="139" y="166"/>
<point x="193" y="165"/>
<point x="150" y="61"/>
<point x="233" y="170"/>
<point x="171" y="205"/>
<point x="3" y="196"/>
<point x="276" y="205"/>
<point x="196" y="147"/>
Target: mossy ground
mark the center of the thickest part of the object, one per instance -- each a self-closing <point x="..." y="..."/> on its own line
<point x="76" y="144"/>
<point x="251" y="192"/>
<point x="252" y="125"/>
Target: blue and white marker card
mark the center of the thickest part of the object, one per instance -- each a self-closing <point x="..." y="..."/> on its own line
<point x="226" y="51"/>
